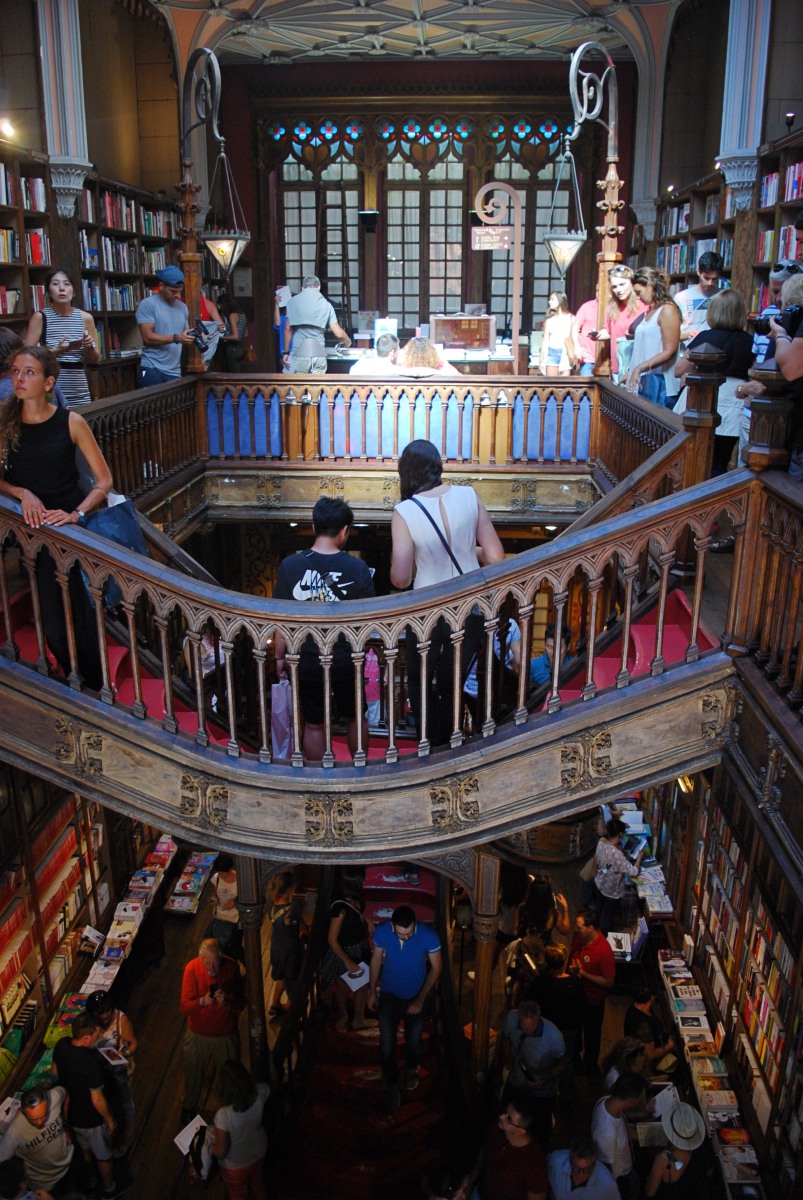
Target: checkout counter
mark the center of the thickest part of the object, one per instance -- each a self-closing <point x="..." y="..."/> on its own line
<point x="469" y="343"/>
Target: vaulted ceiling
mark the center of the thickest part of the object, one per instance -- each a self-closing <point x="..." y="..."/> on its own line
<point x="289" y="31"/>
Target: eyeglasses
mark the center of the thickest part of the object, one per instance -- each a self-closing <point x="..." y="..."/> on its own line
<point x="624" y="272"/>
<point x="790" y="268"/>
<point x="505" y="1116"/>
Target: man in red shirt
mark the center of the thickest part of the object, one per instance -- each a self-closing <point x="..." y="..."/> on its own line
<point x="212" y="998"/>
<point x="513" y="1164"/>
<point x="591" y="959"/>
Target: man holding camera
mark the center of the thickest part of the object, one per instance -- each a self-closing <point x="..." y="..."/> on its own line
<point x="535" y="1053"/>
<point x="163" y="319"/>
<point x="786" y="333"/>
<point x="212" y="998"/>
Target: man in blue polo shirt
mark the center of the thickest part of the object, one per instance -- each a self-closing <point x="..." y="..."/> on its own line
<point x="534" y="1052"/>
<point x="402" y="948"/>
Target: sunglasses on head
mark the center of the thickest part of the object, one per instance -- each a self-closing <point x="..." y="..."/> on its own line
<point x="790" y="268"/>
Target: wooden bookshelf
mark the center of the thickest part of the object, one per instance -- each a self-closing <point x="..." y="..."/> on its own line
<point x="778" y="200"/>
<point x="125" y="236"/>
<point x="691" y="221"/>
<point x="49" y="882"/>
<point x="748" y="942"/>
<point x="25" y="253"/>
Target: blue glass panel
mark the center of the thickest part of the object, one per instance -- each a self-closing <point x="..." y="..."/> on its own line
<point x="583" y="428"/>
<point x="213" y="426"/>
<point x="275" y="425"/>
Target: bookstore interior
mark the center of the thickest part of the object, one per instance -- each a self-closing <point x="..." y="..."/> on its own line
<point x="711" y="921"/>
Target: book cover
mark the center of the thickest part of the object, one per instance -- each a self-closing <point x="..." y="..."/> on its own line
<point x="729" y="1135"/>
<point x="721" y="1101"/>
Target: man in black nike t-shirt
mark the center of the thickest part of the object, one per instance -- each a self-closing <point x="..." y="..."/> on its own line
<point x="325" y="573"/>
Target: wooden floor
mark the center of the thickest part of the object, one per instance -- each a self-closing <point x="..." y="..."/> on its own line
<point x="155" y="1162"/>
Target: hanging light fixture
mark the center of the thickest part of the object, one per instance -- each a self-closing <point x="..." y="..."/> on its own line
<point x="563" y="245"/>
<point x="226" y="245"/>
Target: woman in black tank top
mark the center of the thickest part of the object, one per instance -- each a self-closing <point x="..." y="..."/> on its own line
<point x="38" y="440"/>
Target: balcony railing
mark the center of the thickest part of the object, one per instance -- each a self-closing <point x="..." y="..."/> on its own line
<point x="150" y="436"/>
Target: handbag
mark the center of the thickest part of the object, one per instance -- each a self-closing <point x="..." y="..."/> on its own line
<point x="200" y="1153"/>
<point x="281" y="719"/>
<point x="118" y="523"/>
<point x="589" y="870"/>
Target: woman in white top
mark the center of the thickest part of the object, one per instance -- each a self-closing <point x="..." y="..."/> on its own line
<point x="69" y="332"/>
<point x="240" y="1138"/>
<point x="434" y="523"/>
<point x="560" y="333"/>
<point x="225" y="923"/>
<point x="656" y="341"/>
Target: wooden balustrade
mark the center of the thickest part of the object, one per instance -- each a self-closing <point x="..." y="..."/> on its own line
<point x="620" y="561"/>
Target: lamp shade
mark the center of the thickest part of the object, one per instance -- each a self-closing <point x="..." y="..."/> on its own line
<point x="226" y="246"/>
<point x="562" y="247"/>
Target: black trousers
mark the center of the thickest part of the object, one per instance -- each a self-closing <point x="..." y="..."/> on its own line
<point x="55" y="625"/>
<point x="440" y="675"/>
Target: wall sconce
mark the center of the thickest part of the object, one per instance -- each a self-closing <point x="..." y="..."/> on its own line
<point x="6" y="128"/>
<point x="790" y="120"/>
<point x="369" y="218"/>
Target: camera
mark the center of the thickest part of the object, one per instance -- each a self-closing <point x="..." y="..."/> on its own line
<point x="789" y="320"/>
<point x="198" y="334"/>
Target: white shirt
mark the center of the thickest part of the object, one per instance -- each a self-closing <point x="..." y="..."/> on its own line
<point x="613" y="1141"/>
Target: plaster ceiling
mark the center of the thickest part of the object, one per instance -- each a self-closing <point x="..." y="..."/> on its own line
<point x="305" y="30"/>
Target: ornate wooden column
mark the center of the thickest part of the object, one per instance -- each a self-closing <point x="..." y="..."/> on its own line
<point x="251" y="908"/>
<point x="486" y="923"/>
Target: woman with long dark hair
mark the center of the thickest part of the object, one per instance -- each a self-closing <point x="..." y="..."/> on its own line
<point x="240" y="1139"/>
<point x="69" y="332"/>
<point x="560" y="349"/>
<point x="38" y="444"/>
<point x="348" y="947"/>
<point x="439" y="531"/>
<point x="656" y="340"/>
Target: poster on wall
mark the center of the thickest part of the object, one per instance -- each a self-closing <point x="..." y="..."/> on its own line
<point x="241" y="280"/>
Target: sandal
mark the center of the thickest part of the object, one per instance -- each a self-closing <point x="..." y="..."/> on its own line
<point x="723" y="545"/>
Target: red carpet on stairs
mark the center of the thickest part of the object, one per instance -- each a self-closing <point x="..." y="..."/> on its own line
<point x="347" y="1146"/>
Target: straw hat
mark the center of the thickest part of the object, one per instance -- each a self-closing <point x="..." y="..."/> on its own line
<point x="684" y="1127"/>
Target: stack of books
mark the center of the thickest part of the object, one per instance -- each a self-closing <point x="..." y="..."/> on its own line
<point x="186" y="894"/>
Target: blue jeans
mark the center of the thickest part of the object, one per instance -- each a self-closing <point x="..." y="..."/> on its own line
<point x="586" y="368"/>
<point x="392" y="1009"/>
<point x="148" y="376"/>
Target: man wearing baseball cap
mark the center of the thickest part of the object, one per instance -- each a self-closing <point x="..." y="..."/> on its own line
<point x="163" y="320"/>
<point x="784" y="269"/>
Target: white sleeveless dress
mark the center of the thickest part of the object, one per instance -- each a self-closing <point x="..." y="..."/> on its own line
<point x="461" y="512"/>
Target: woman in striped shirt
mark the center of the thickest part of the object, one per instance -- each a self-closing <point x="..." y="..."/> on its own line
<point x="69" y="332"/>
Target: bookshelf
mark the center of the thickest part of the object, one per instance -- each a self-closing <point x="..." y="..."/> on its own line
<point x="49" y="886"/>
<point x="124" y="237"/>
<point x="25" y="253"/>
<point x="778" y="200"/>
<point x="748" y="962"/>
<point x="691" y="221"/>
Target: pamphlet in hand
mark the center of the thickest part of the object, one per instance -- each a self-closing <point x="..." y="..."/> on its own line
<point x="355" y="982"/>
<point x="113" y="1057"/>
<point x="184" y="1139"/>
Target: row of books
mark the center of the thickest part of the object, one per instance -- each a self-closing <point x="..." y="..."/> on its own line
<point x="765" y="244"/>
<point x="790" y="245"/>
<point x="38" y="297"/>
<point x="52" y="827"/>
<point x="7" y="195"/>
<point x="793" y="182"/>
<point x="119" y="212"/>
<point x="722" y="246"/>
<point x="122" y="297"/>
<point x="112" y="950"/>
<point x="15" y="955"/>
<point x="773" y="936"/>
<point x="62" y="886"/>
<point x="37" y="245"/>
<point x="119" y="256"/>
<point x="10" y="880"/>
<point x="673" y="259"/>
<point x="676" y="220"/>
<point x="768" y="190"/>
<point x="759" y="298"/>
<point x="714" y="1093"/>
<point x="186" y="894"/>
<point x="9" y="246"/>
<point x="63" y="919"/>
<point x="63" y="848"/>
<point x="10" y="301"/>
<point x="34" y="193"/>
